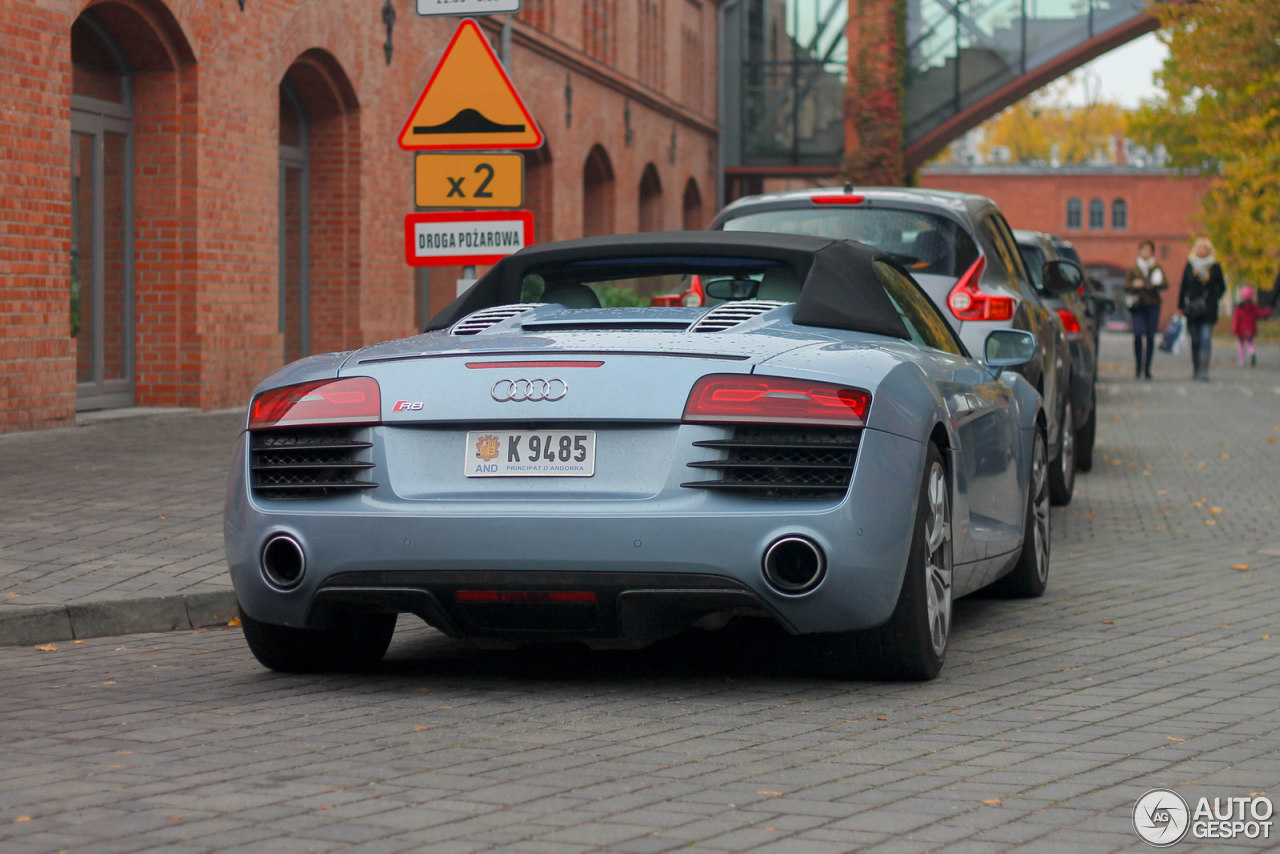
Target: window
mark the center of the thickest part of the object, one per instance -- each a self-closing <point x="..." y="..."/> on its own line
<point x="101" y="296"/>
<point x="1097" y="215"/>
<point x="650" y="199"/>
<point x="597" y="194"/>
<point x="294" y="226"/>
<point x="1119" y="214"/>
<point x="922" y="242"/>
<point x="1073" y="213"/>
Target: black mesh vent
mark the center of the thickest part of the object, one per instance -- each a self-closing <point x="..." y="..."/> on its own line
<point x="308" y="462"/>
<point x="783" y="462"/>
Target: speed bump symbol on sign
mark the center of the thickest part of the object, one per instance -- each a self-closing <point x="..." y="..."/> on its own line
<point x="468" y="180"/>
<point x="469" y="103"/>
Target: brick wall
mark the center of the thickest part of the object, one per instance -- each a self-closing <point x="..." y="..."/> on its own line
<point x="206" y="172"/>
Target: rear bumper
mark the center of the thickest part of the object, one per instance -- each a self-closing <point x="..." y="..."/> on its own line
<point x="638" y="555"/>
<point x="628" y="606"/>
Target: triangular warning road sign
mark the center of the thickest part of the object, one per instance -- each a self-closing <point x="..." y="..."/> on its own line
<point x="469" y="102"/>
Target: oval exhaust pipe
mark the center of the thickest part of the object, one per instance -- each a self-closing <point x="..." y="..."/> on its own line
<point x="283" y="562"/>
<point x="794" y="564"/>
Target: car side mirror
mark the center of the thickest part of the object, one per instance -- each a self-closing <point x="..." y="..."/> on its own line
<point x="1009" y="348"/>
<point x="731" y="289"/>
<point x="1061" y="276"/>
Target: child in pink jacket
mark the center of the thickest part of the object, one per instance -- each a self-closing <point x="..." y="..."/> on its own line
<point x="1244" y="324"/>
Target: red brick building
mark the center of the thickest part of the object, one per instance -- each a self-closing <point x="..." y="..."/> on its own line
<point x="196" y="191"/>
<point x="1105" y="211"/>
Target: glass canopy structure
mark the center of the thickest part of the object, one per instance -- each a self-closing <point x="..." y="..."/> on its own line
<point x="784" y="66"/>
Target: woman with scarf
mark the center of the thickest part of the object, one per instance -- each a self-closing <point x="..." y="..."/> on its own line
<point x="1202" y="286"/>
<point x="1143" y="285"/>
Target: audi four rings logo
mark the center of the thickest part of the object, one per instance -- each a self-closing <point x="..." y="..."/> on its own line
<point x="535" y="389"/>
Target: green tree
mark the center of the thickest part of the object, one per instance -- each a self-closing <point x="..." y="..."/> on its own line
<point x="1220" y="112"/>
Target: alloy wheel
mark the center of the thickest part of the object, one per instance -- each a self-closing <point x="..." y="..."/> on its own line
<point x="937" y="566"/>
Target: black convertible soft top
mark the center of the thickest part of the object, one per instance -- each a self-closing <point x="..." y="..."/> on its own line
<point x="839" y="289"/>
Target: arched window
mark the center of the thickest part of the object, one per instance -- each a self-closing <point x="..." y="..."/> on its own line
<point x="1097" y="215"/>
<point x="597" y="194"/>
<point x="1119" y="214"/>
<point x="691" y="218"/>
<point x="102" y="182"/>
<point x="1073" y="213"/>
<point x="294" y="223"/>
<point x="650" y="199"/>
<point x="320" y="161"/>
<point x="539" y="192"/>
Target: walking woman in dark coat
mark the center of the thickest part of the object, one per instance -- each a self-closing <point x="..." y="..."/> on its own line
<point x="1144" y="284"/>
<point x="1202" y="286"/>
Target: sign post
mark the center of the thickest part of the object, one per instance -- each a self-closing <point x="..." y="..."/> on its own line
<point x="467" y="113"/>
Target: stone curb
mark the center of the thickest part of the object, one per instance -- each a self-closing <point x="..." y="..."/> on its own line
<point x="46" y="623"/>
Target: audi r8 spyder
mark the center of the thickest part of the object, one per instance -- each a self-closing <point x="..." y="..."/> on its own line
<point x="554" y="459"/>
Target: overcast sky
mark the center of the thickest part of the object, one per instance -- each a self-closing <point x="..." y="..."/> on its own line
<point x="1123" y="76"/>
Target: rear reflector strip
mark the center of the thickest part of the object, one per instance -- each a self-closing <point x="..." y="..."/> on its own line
<point x="570" y="597"/>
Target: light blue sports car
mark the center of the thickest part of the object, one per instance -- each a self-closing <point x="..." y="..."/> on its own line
<point x="554" y="459"/>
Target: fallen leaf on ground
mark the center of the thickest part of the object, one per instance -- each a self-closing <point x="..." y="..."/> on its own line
<point x="1162" y="492"/>
<point x="48" y="647"/>
<point x="22" y="819"/>
<point x="1267" y="636"/>
<point x="421" y="728"/>
<point x="773" y="793"/>
<point x="1171" y="738"/>
<point x="1108" y="622"/>
<point x="1271" y="440"/>
<point x="1215" y="510"/>
<point x="1240" y="567"/>
<point x="234" y="622"/>
<point x="993" y="802"/>
<point x="1210" y="521"/>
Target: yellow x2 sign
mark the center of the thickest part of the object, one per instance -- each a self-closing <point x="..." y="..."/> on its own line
<point x="468" y="180"/>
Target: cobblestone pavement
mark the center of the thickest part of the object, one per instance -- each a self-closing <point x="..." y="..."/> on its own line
<point x="1150" y="662"/>
<point x="114" y="526"/>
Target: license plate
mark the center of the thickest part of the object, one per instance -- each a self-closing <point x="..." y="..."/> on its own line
<point x="530" y="453"/>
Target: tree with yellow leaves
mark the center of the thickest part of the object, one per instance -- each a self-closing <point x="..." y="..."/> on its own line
<point x="1040" y="129"/>
<point x="1220" y="112"/>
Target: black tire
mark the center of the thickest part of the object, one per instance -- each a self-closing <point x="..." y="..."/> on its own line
<point x="356" y="647"/>
<point x="1030" y="575"/>
<point x="1085" y="437"/>
<point x="1062" y="474"/>
<point x="912" y="645"/>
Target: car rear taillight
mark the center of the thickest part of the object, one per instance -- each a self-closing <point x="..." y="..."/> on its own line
<point x="969" y="302"/>
<point x="1070" y="323"/>
<point x="353" y="400"/>
<point x="775" y="400"/>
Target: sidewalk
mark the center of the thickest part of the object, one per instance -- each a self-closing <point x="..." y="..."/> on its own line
<point x="115" y="526"/>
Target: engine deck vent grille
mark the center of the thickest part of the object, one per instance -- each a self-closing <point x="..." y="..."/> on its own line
<point x="479" y="321"/>
<point x="730" y="314"/>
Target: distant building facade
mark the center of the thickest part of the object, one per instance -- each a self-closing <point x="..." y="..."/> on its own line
<point x="197" y="192"/>
<point x="1105" y="211"/>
